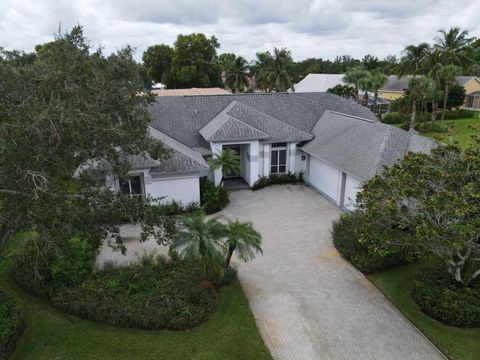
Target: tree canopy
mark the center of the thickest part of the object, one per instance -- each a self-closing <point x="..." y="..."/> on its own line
<point x="158" y="60"/>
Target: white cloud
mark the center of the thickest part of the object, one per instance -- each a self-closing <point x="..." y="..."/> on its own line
<point x="310" y="28"/>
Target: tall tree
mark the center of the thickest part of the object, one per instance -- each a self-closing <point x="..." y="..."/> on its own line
<point x="356" y="76"/>
<point x="236" y="77"/>
<point x="432" y="65"/>
<point x="195" y="62"/>
<point x="226" y="61"/>
<point x="64" y="107"/>
<point x="262" y="62"/>
<point x="417" y="88"/>
<point x="454" y="46"/>
<point x="448" y="75"/>
<point x="243" y="239"/>
<point x="376" y="81"/>
<point x="412" y="60"/>
<point x="157" y="60"/>
<point x="274" y="71"/>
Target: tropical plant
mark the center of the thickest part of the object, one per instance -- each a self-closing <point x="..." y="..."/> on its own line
<point x="448" y="75"/>
<point x="356" y="76"/>
<point x="226" y="160"/>
<point x="237" y="75"/>
<point x="243" y="239"/>
<point x="274" y="71"/>
<point x="432" y="66"/>
<point x="201" y="239"/>
<point x="375" y="82"/>
<point x="418" y="88"/>
<point x="454" y="46"/>
<point x="412" y="60"/>
<point x="345" y="91"/>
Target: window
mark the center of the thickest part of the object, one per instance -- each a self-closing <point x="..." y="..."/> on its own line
<point x="131" y="186"/>
<point x="278" y="159"/>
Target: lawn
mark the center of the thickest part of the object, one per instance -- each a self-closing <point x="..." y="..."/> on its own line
<point x="461" y="132"/>
<point x="456" y="343"/>
<point x="231" y="333"/>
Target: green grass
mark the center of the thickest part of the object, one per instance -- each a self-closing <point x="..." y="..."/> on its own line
<point x="230" y="333"/>
<point x="456" y="343"/>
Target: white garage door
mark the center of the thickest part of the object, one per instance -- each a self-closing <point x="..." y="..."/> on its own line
<point x="325" y="178"/>
<point x="184" y="190"/>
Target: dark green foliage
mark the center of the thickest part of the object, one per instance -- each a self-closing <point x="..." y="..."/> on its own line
<point x="213" y="198"/>
<point x="153" y="295"/>
<point x="11" y="326"/>
<point x="444" y="299"/>
<point x="345" y="91"/>
<point x="346" y="239"/>
<point x="157" y="294"/>
<point x="158" y="59"/>
<point x="459" y="114"/>
<point x="273" y="179"/>
<point x="393" y="118"/>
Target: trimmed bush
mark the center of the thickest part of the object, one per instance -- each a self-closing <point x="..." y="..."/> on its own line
<point x="393" y="118"/>
<point x="213" y="198"/>
<point x="457" y="114"/>
<point x="11" y="326"/>
<point x="274" y="179"/>
<point x="346" y="240"/>
<point x="439" y="296"/>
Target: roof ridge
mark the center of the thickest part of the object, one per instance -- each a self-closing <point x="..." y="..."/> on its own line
<point x="270" y="116"/>
<point x="381" y="151"/>
<point x="248" y="125"/>
<point x="351" y="116"/>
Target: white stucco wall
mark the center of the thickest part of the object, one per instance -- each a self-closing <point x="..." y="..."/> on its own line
<point x="181" y="189"/>
<point x="324" y="178"/>
<point x="352" y="187"/>
<point x="300" y="165"/>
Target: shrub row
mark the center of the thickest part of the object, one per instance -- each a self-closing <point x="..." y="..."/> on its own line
<point x="288" y="178"/>
<point x="213" y="198"/>
<point x="156" y="294"/>
<point x="11" y="326"/>
<point x="397" y="118"/>
<point x="346" y="240"/>
<point x="442" y="298"/>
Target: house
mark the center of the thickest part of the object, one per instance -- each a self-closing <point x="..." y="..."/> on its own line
<point x="319" y="82"/>
<point x="337" y="143"/>
<point x="396" y="87"/>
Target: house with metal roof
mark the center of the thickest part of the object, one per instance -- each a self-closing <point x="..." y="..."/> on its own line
<point x="335" y="142"/>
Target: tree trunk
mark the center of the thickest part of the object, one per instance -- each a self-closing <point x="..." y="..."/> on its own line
<point x="434" y="109"/>
<point x="445" y="98"/>
<point x="375" y="97"/>
<point x="365" y="99"/>
<point x="412" y="117"/>
<point x="356" y="92"/>
<point x="231" y="250"/>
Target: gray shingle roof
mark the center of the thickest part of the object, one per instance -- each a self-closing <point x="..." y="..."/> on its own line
<point x="181" y="157"/>
<point x="395" y="83"/>
<point x="361" y="147"/>
<point x="181" y="118"/>
<point x="225" y="127"/>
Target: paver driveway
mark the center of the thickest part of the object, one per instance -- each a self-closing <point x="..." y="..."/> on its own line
<point x="310" y="303"/>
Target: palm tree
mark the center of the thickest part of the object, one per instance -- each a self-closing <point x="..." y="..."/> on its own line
<point x="201" y="239"/>
<point x="417" y="88"/>
<point x="228" y="161"/>
<point x="412" y="59"/>
<point x="454" y="45"/>
<point x="432" y="66"/>
<point x="237" y="75"/>
<point x="244" y="239"/>
<point x="376" y="81"/>
<point x="274" y="71"/>
<point x="356" y="76"/>
<point x="448" y="75"/>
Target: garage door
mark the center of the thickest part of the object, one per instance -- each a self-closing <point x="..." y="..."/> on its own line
<point x="325" y="178"/>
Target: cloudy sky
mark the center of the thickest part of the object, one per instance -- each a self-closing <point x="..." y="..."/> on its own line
<point x="310" y="28"/>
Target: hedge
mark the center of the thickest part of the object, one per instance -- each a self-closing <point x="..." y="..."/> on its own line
<point x="273" y="179"/>
<point x="439" y="296"/>
<point x="345" y="238"/>
<point x="11" y="326"/>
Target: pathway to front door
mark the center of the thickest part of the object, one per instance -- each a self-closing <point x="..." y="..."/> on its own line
<point x="310" y="303"/>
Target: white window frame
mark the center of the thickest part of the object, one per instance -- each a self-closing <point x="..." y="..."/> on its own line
<point x="277" y="149"/>
<point x="142" y="184"/>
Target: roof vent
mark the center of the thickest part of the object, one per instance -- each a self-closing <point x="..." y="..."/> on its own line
<point x="195" y="111"/>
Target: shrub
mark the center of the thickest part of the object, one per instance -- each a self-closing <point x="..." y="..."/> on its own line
<point x="442" y="298"/>
<point x="345" y="234"/>
<point x="213" y="198"/>
<point x="393" y="118"/>
<point x="11" y="326"/>
<point x="273" y="179"/>
<point x="457" y="114"/>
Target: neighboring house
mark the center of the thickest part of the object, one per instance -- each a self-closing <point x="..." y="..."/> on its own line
<point x="396" y="87"/>
<point x="319" y="82"/>
<point x="190" y="92"/>
<point x="336" y="143"/>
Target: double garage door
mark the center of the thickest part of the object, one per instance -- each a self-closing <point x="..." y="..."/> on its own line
<point x="340" y="187"/>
